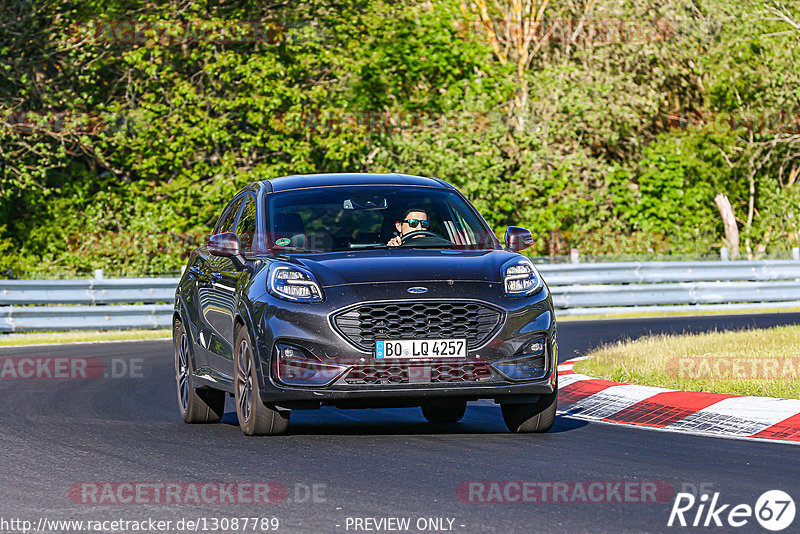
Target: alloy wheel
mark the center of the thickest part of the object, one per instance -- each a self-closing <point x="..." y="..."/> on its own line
<point x="244" y="381"/>
<point x="183" y="372"/>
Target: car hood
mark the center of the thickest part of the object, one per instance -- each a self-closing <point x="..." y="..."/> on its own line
<point x="403" y="265"/>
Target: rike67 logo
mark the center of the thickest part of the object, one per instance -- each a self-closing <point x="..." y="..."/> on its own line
<point x="774" y="510"/>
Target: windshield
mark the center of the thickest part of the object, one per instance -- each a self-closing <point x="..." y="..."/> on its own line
<point x="328" y="219"/>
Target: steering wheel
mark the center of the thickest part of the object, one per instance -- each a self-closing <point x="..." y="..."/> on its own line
<point x="418" y="233"/>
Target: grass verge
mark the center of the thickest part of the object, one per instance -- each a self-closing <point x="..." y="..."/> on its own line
<point x="749" y="362"/>
<point x="9" y="340"/>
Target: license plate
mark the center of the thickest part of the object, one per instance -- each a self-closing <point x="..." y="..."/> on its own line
<point x="420" y="348"/>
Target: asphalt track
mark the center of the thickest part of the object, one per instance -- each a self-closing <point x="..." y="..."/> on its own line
<point x="364" y="463"/>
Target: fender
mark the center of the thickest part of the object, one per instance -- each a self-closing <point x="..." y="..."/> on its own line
<point x="244" y="314"/>
<point x="181" y="308"/>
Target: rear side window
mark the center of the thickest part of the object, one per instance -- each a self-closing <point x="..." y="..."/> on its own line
<point x="246" y="228"/>
<point x="225" y="223"/>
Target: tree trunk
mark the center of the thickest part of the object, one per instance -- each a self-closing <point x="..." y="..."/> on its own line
<point x="729" y="222"/>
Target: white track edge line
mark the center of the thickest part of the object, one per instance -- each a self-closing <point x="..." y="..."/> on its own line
<point x="680" y="431"/>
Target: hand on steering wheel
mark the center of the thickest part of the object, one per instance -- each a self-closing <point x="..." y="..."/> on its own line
<point x="418" y="233"/>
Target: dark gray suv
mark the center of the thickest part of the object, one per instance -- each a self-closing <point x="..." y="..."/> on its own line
<point x="362" y="290"/>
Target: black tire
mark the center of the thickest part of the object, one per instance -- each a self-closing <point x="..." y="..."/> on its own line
<point x="444" y="411"/>
<point x="195" y="405"/>
<point x="255" y="419"/>
<point x="532" y="417"/>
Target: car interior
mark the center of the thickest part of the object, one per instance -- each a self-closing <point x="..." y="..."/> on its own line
<point x="332" y="227"/>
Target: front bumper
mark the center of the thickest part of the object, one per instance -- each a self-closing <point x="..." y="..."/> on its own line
<point x="309" y="327"/>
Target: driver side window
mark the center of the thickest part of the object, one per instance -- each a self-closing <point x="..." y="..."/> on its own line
<point x="246" y="228"/>
<point x="225" y="223"/>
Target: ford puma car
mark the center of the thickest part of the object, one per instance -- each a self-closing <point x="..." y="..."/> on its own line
<point x="361" y="291"/>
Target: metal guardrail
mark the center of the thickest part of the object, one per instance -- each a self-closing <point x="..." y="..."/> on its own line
<point x="90" y="291"/>
<point x="38" y="318"/>
<point x="601" y="288"/>
<point x="98" y="303"/>
<point x="668" y="271"/>
<point x="589" y="296"/>
<point x="578" y="289"/>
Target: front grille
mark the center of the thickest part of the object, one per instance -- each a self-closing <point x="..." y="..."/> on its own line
<point x="397" y="373"/>
<point x="363" y="324"/>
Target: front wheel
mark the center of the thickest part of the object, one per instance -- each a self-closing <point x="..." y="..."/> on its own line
<point x="531" y="417"/>
<point x="255" y="419"/>
<point x="195" y="405"/>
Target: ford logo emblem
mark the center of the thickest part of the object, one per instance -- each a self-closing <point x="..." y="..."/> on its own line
<point x="417" y="289"/>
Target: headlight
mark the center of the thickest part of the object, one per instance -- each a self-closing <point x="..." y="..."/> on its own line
<point x="520" y="278"/>
<point x="295" y="284"/>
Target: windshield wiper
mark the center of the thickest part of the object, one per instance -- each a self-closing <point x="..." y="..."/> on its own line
<point x="367" y="246"/>
<point x="292" y="249"/>
<point x="432" y="245"/>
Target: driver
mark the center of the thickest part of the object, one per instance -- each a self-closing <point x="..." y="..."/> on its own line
<point x="414" y="220"/>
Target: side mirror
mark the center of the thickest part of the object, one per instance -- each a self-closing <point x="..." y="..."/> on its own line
<point x="227" y="245"/>
<point x="518" y="238"/>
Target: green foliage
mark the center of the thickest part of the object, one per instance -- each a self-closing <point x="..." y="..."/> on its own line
<point x="678" y="177"/>
<point x="119" y="155"/>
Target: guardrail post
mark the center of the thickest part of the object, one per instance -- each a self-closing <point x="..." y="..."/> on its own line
<point x="99" y="274"/>
<point x="575" y="255"/>
<point x="796" y="253"/>
<point x="724" y="254"/>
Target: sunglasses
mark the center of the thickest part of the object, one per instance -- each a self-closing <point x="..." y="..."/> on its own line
<point x="414" y="222"/>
